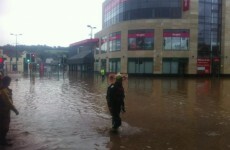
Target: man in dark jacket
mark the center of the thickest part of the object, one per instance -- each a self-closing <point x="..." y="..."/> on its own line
<point x="115" y="100"/>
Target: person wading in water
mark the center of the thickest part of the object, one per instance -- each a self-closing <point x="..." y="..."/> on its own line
<point x="115" y="100"/>
<point x="6" y="105"/>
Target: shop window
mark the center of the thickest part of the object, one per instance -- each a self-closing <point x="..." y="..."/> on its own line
<point x="175" y="65"/>
<point x="115" y="41"/>
<point x="176" y="40"/>
<point x="104" y="44"/>
<point x="140" y="65"/>
<point x="141" y="40"/>
<point x="115" y="65"/>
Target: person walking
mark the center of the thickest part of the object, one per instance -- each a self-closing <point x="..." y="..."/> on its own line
<point x="103" y="73"/>
<point x="6" y="105"/>
<point x="115" y="101"/>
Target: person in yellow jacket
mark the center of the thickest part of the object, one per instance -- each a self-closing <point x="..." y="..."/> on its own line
<point x="102" y="73"/>
<point x="6" y="105"/>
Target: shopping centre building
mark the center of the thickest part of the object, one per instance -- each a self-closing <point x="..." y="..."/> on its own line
<point x="163" y="37"/>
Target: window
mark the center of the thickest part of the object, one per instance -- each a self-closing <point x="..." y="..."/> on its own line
<point x="176" y="40"/>
<point x="115" y="41"/>
<point x="140" y="9"/>
<point x="104" y="44"/>
<point x="174" y="65"/>
<point x="209" y="44"/>
<point x="115" y="65"/>
<point x="96" y="50"/>
<point x="141" y="40"/>
<point x="103" y="64"/>
<point x="140" y="65"/>
<point x="96" y="65"/>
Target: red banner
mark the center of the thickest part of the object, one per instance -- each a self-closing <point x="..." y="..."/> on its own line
<point x="146" y="35"/>
<point x="186" y="4"/>
<point x="171" y="34"/>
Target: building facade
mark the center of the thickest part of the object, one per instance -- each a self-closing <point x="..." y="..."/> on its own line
<point x="178" y="37"/>
<point x="81" y="55"/>
<point x="9" y="63"/>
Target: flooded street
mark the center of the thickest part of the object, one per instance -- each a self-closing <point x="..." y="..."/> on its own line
<point x="71" y="113"/>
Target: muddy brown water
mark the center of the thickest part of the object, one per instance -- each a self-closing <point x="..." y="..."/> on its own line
<point x="71" y="113"/>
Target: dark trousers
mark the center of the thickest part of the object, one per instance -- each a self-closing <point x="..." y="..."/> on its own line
<point x="116" y="119"/>
<point x="4" y="125"/>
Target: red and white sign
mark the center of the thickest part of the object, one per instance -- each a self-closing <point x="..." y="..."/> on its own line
<point x="146" y="35"/>
<point x="111" y="38"/>
<point x="204" y="65"/>
<point x="186" y="4"/>
<point x="171" y="34"/>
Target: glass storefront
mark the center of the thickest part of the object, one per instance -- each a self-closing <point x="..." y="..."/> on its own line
<point x="209" y="37"/>
<point x="115" y="65"/>
<point x="175" y="65"/>
<point x="103" y="64"/>
<point x="140" y="65"/>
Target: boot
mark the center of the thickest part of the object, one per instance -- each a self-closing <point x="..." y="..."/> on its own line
<point x="5" y="143"/>
<point x="3" y="140"/>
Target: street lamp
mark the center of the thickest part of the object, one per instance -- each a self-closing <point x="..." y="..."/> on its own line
<point x="91" y="28"/>
<point x="16" y="36"/>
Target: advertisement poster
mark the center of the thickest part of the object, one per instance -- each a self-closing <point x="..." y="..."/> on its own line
<point x="203" y="66"/>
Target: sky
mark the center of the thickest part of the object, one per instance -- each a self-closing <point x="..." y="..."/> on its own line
<point x="48" y="22"/>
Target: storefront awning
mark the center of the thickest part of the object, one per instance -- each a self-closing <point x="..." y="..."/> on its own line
<point x="85" y="42"/>
<point x="79" y="58"/>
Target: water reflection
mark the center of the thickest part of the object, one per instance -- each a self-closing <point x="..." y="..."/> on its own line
<point x="70" y="112"/>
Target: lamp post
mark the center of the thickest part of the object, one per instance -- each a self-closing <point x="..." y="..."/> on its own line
<point x="16" y="36"/>
<point x="91" y="32"/>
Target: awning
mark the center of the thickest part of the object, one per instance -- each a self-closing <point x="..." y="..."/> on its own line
<point x="85" y="42"/>
<point x="80" y="58"/>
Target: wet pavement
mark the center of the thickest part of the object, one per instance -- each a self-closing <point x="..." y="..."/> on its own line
<point x="70" y="113"/>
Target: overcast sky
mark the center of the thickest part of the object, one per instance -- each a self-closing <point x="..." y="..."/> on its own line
<point x="48" y="22"/>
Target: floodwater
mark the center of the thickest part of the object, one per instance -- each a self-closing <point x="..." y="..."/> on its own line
<point x="70" y="113"/>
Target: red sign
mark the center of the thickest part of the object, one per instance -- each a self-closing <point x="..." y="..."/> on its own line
<point x="146" y="35"/>
<point x="204" y="65"/>
<point x="179" y="34"/>
<point x="186" y="4"/>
